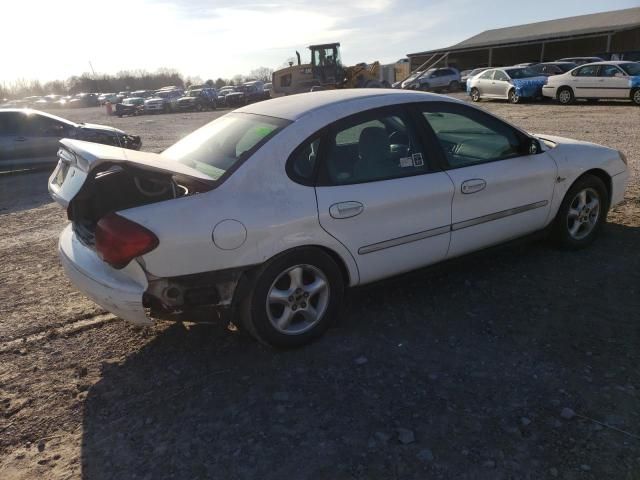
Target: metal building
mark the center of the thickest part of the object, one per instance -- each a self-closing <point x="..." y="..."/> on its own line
<point x="614" y="34"/>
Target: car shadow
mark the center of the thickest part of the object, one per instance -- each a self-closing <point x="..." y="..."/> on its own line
<point x="24" y="189"/>
<point x="432" y="371"/>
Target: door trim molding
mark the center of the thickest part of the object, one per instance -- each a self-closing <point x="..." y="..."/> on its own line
<point x="498" y="215"/>
<point x="413" y="237"/>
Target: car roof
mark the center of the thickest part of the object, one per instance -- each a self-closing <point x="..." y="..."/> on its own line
<point x="608" y="62"/>
<point x="30" y="111"/>
<point x="293" y="107"/>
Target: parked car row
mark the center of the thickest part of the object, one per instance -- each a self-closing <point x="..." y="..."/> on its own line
<point x="561" y="81"/>
<point x="29" y="138"/>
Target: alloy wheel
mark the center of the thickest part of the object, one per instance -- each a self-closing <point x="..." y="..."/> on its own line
<point x="297" y="299"/>
<point x="583" y="214"/>
<point x="564" y="96"/>
<point x="636" y="97"/>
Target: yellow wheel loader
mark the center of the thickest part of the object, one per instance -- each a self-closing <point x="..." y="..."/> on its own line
<point x="325" y="72"/>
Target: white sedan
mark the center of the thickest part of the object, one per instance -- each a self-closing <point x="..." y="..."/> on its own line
<point x="270" y="212"/>
<point x="606" y="80"/>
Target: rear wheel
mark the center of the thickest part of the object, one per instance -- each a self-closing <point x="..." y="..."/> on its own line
<point x="635" y="96"/>
<point x="454" y="86"/>
<point x="475" y="94"/>
<point x="294" y="299"/>
<point x="565" y="96"/>
<point x="513" y="96"/>
<point x="582" y="213"/>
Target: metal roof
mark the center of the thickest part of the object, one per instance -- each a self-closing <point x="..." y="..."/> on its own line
<point x="594" y="23"/>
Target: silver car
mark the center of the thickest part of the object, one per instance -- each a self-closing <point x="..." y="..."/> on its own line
<point x="507" y="83"/>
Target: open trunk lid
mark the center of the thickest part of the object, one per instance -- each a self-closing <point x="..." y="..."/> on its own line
<point x="78" y="159"/>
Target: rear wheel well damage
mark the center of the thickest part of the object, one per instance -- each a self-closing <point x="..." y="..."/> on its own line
<point x="209" y="296"/>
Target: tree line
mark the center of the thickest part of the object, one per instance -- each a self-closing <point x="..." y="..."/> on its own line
<point x="122" y="81"/>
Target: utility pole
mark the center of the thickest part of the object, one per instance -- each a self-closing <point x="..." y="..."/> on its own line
<point x="92" y="70"/>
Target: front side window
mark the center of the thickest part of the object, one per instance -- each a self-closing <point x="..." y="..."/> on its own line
<point x="588" y="71"/>
<point x="372" y="147"/>
<point x="610" y="71"/>
<point x="500" y="76"/>
<point x="225" y="142"/>
<point x="469" y="136"/>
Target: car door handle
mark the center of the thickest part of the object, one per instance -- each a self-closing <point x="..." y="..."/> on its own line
<point x="346" y="209"/>
<point x="20" y="139"/>
<point x="473" y="186"/>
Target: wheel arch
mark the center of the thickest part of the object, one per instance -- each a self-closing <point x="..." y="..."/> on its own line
<point x="602" y="175"/>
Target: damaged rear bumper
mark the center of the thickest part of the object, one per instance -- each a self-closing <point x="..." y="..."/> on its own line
<point x="118" y="291"/>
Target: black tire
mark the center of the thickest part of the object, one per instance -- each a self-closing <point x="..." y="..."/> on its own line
<point x="198" y="107"/>
<point x="514" y="97"/>
<point x="254" y="317"/>
<point x="475" y="94"/>
<point x="565" y="96"/>
<point x="635" y="96"/>
<point x="560" y="228"/>
<point x="454" y="86"/>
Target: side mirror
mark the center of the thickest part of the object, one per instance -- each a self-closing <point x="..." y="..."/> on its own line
<point x="534" y="146"/>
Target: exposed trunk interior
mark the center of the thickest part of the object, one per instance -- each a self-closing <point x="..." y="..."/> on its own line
<point x="120" y="187"/>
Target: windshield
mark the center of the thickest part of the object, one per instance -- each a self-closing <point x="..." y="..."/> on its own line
<point x="219" y="145"/>
<point x="521" y="73"/>
<point x="192" y="93"/>
<point x="631" y="68"/>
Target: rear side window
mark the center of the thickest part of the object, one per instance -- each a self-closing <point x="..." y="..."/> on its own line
<point x="301" y="166"/>
<point x="588" y="71"/>
<point x="10" y="123"/>
<point x="487" y="75"/>
<point x="370" y="147"/>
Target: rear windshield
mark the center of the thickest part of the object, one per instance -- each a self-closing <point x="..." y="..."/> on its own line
<point x="632" y="69"/>
<point x="225" y="142"/>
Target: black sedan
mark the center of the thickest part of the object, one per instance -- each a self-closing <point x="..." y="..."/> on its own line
<point x="29" y="137"/>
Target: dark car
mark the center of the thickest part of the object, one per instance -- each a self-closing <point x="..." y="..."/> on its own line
<point x="29" y="137"/>
<point x="129" y="107"/>
<point x="198" y="99"/>
<point x="82" y="100"/>
<point x="246" y="93"/>
<point x="553" y="68"/>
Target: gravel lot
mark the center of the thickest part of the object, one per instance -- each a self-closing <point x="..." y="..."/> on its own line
<point x="517" y="363"/>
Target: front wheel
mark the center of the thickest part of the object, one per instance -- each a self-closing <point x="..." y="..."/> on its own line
<point x="294" y="299"/>
<point x="582" y="213"/>
<point x="475" y="94"/>
<point x="635" y="96"/>
<point x="454" y="86"/>
<point x="514" y="97"/>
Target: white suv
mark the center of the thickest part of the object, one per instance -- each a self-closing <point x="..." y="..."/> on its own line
<point x="434" y="79"/>
<point x="593" y="81"/>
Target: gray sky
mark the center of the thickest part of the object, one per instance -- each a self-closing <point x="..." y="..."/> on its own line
<point x="49" y="40"/>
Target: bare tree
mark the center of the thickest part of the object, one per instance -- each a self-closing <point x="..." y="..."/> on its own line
<point x="262" y="73"/>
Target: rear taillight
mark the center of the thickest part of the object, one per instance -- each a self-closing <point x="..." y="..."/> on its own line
<point x="118" y="240"/>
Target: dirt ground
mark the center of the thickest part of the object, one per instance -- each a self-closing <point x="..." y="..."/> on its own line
<point x="517" y="363"/>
